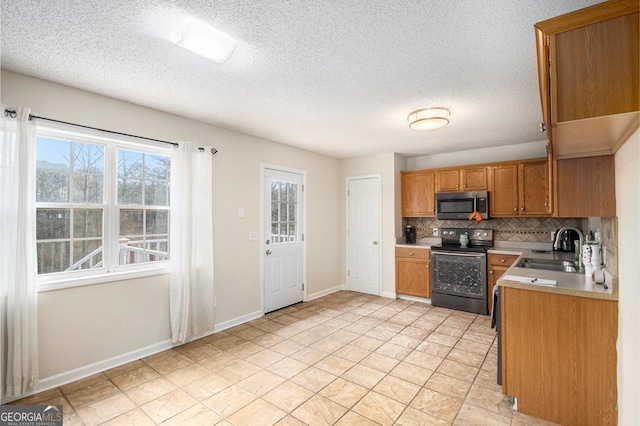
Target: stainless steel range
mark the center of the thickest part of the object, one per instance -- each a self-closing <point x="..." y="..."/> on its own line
<point x="459" y="269"/>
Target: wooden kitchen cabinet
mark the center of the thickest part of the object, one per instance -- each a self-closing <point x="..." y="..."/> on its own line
<point x="533" y="188"/>
<point x="585" y="187"/>
<point x="588" y="70"/>
<point x="413" y="271"/>
<point x="559" y="356"/>
<point x="461" y="179"/>
<point x="497" y="265"/>
<point x="503" y="198"/>
<point x="418" y="193"/>
<point x="520" y="189"/>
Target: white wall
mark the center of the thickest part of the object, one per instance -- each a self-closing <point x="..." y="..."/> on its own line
<point x="477" y="156"/>
<point x="627" y="161"/>
<point x="86" y="325"/>
<point x="385" y="165"/>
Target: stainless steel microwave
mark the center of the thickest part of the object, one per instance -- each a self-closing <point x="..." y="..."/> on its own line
<point x="460" y="205"/>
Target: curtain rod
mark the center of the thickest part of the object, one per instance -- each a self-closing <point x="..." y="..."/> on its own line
<point x="12" y="114"/>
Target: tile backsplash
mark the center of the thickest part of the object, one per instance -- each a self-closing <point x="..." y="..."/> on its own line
<point x="529" y="229"/>
<point x="609" y="232"/>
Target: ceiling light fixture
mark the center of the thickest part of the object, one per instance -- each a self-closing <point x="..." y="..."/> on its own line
<point x="207" y="41"/>
<point x="429" y="118"/>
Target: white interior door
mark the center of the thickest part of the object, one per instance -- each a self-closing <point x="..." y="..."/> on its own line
<point x="283" y="247"/>
<point x="363" y="234"/>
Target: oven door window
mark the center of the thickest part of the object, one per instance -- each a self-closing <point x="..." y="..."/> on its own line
<point x="459" y="275"/>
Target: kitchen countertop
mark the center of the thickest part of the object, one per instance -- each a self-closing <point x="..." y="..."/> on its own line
<point x="419" y="246"/>
<point x="571" y="284"/>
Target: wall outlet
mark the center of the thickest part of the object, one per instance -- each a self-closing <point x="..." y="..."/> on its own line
<point x="434" y="232"/>
<point x="254" y="235"/>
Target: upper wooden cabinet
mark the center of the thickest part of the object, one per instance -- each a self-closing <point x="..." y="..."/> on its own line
<point x="588" y="69"/>
<point x="520" y="189"/>
<point x="533" y="189"/>
<point x="503" y="198"/>
<point x="585" y="187"/>
<point x="418" y="195"/>
<point x="461" y="179"/>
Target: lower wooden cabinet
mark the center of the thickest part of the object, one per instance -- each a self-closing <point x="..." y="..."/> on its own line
<point x="559" y="356"/>
<point x="497" y="265"/>
<point x="413" y="271"/>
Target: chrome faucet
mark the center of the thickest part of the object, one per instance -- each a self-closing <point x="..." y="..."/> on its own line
<point x="578" y="253"/>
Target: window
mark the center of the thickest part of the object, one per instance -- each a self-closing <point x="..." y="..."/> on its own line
<point x="102" y="205"/>
<point x="284" y="205"/>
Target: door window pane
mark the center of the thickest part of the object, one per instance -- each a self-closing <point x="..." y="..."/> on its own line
<point x="284" y="212"/>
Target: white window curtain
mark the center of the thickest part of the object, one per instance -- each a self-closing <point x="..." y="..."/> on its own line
<point x="191" y="243"/>
<point x="19" y="295"/>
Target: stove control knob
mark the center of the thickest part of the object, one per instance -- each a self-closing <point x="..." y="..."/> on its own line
<point x="485" y="234"/>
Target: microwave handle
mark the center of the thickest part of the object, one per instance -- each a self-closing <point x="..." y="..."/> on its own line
<point x="475" y="201"/>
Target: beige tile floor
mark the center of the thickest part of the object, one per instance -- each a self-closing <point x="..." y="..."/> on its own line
<point x="344" y="359"/>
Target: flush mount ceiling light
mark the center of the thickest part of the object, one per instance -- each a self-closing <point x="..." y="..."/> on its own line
<point x="428" y="118"/>
<point x="206" y="41"/>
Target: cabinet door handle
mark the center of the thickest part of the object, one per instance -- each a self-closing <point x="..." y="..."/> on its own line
<point x="501" y="260"/>
<point x="427" y="266"/>
<point x="515" y="209"/>
<point x="410" y="253"/>
<point x="491" y="272"/>
<point x="521" y="209"/>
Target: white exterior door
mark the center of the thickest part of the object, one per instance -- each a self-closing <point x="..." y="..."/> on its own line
<point x="283" y="245"/>
<point x="363" y="234"/>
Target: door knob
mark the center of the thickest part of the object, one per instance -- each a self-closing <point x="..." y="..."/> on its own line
<point x="375" y="243"/>
<point x="268" y="252"/>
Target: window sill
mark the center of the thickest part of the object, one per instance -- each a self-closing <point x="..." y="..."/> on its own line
<point x="59" y="283"/>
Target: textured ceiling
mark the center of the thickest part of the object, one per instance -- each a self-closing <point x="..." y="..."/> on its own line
<point x="336" y="77"/>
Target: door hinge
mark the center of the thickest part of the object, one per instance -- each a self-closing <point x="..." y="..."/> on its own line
<point x="302" y="188"/>
<point x="302" y="237"/>
<point x="348" y="192"/>
<point x="349" y="272"/>
<point x="302" y="286"/>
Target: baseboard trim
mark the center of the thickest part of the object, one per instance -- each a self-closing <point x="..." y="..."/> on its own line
<point x="61" y="379"/>
<point x="388" y="295"/>
<point x="97" y="367"/>
<point x="325" y="292"/>
<point x="237" y="321"/>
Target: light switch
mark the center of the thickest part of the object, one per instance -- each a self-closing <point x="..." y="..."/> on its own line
<point x="241" y="212"/>
<point x="254" y="235"/>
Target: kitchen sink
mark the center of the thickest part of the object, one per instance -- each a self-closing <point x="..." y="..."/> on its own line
<point x="547" y="264"/>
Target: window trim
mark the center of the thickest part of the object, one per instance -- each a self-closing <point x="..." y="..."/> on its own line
<point x="116" y="272"/>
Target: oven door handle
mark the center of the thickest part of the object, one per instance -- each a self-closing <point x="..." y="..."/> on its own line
<point x="454" y="253"/>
